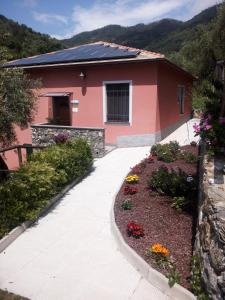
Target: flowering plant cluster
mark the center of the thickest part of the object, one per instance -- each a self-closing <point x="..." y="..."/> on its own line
<point x="161" y="256"/>
<point x="135" y="230"/>
<point x="132" y="178"/>
<point x="61" y="138"/>
<point x="150" y="159"/>
<point x="130" y="190"/>
<point x="159" y="249"/>
<point x="212" y="130"/>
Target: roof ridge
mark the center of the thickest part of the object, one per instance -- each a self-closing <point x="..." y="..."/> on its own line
<point x="142" y="51"/>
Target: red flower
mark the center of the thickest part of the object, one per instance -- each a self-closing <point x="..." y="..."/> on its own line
<point x="150" y="159"/>
<point x="130" y="190"/>
<point x="135" y="230"/>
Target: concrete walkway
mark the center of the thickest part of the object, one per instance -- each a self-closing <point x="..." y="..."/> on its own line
<point x="71" y="253"/>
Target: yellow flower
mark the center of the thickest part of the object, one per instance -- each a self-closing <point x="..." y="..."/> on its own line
<point x="159" y="249"/>
<point x="132" y="178"/>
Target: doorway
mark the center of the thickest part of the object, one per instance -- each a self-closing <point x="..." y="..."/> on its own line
<point x="61" y="110"/>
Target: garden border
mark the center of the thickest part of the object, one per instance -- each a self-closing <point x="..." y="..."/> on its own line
<point x="151" y="275"/>
<point x="17" y="231"/>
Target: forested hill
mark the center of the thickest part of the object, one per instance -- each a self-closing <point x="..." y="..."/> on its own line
<point x="165" y="36"/>
<point x="22" y="41"/>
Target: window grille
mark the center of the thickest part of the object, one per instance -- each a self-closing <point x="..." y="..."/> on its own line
<point x="117" y="102"/>
<point x="181" y="97"/>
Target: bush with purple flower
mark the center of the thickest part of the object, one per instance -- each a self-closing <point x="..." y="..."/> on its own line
<point x="61" y="138"/>
<point x="212" y="130"/>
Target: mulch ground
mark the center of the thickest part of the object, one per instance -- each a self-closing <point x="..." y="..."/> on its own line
<point x="162" y="224"/>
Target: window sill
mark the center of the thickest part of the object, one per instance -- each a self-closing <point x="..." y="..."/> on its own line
<point x="117" y="123"/>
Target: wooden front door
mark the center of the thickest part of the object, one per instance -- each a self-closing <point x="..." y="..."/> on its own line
<point x="61" y="110"/>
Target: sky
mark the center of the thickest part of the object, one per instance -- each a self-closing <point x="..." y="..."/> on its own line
<point x="65" y="18"/>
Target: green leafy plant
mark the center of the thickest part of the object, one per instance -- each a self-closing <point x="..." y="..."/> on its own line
<point x="172" y="183"/>
<point x="177" y="184"/>
<point x="172" y="275"/>
<point x="166" y="152"/>
<point x="127" y="205"/>
<point x="179" y="203"/>
<point x="195" y="281"/>
<point x="189" y="157"/>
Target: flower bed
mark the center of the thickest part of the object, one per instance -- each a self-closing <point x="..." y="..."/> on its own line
<point x="163" y="219"/>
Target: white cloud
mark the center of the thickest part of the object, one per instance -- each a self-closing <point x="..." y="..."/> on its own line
<point x="130" y="12"/>
<point x="126" y="13"/>
<point x="50" y="18"/>
<point x="30" y="3"/>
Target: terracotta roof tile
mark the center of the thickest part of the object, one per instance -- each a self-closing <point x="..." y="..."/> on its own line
<point x="141" y="51"/>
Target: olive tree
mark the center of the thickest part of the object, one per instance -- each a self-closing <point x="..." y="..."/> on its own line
<point x="18" y="96"/>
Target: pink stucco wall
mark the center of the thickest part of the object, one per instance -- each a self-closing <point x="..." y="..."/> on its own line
<point x="154" y="97"/>
<point x="168" y="111"/>
<point x="89" y="92"/>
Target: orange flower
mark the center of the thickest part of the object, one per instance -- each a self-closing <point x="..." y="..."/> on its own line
<point x="159" y="249"/>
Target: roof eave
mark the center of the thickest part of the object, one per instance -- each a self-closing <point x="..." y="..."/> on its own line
<point x="180" y="69"/>
<point x="105" y="61"/>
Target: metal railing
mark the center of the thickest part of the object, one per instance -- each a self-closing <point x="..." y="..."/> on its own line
<point x="29" y="150"/>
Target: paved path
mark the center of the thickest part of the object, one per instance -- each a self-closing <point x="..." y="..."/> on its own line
<point x="71" y="254"/>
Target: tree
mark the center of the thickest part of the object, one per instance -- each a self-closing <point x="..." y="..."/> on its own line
<point x="18" y="97"/>
<point x="200" y="57"/>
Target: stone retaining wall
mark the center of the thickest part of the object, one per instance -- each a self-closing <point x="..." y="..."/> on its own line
<point x="44" y="135"/>
<point x="210" y="238"/>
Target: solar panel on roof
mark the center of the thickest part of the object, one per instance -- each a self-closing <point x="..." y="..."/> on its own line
<point x="81" y="53"/>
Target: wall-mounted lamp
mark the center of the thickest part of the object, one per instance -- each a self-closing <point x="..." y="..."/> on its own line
<point x="82" y="75"/>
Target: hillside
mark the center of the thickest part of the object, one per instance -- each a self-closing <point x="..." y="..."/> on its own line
<point x="22" y="41"/>
<point x="164" y="36"/>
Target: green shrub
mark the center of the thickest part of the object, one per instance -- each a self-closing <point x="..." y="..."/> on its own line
<point x="27" y="192"/>
<point x="166" y="152"/>
<point x="29" y="189"/>
<point x="73" y="157"/>
<point x="179" y="203"/>
<point x="173" y="183"/>
<point x="188" y="157"/>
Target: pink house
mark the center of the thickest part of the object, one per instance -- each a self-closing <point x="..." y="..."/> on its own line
<point x="137" y="96"/>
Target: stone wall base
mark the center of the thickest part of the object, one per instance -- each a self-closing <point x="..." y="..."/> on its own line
<point x="44" y="135"/>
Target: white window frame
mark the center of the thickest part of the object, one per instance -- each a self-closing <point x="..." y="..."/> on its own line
<point x="105" y="101"/>
<point x="178" y="96"/>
